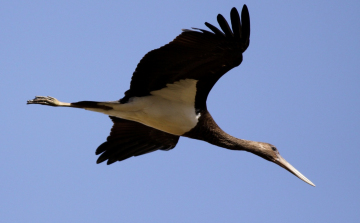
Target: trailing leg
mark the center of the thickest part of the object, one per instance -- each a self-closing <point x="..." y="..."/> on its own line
<point x="89" y="105"/>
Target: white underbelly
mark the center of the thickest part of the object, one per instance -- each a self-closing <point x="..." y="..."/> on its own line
<point x="162" y="114"/>
<point x="171" y="109"/>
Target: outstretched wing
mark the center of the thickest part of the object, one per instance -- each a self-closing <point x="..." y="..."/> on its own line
<point x="194" y="54"/>
<point x="129" y="138"/>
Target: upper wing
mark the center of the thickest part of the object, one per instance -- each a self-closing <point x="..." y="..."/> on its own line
<point x="129" y="138"/>
<point x="194" y="54"/>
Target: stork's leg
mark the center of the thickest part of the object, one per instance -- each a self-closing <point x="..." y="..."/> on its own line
<point x="41" y="100"/>
<point x="89" y="105"/>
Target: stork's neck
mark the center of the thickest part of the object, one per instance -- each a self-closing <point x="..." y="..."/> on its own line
<point x="207" y="130"/>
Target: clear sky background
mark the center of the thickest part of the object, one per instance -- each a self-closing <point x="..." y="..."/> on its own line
<point x="297" y="88"/>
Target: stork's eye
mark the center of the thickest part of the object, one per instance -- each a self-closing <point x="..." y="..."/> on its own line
<point x="273" y="148"/>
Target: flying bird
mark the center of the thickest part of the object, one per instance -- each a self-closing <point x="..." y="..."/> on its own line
<point x="168" y="93"/>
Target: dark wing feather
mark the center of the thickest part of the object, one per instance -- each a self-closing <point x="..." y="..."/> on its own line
<point x="129" y="138"/>
<point x="235" y="22"/>
<point x="224" y="26"/>
<point x="245" y="31"/>
<point x="215" y="30"/>
<point x="194" y="54"/>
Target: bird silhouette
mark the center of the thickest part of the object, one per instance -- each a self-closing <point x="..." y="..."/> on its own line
<point x="168" y="93"/>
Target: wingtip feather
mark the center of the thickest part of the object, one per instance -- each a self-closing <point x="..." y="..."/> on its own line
<point x="214" y="29"/>
<point x="245" y="23"/>
<point x="224" y="26"/>
<point x="235" y="22"/>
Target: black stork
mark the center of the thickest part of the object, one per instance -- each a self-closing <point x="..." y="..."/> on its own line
<point x="168" y="93"/>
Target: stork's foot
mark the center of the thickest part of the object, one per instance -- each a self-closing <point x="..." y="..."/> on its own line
<point x="45" y="101"/>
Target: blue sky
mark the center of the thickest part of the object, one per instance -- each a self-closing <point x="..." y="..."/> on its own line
<point x="297" y="88"/>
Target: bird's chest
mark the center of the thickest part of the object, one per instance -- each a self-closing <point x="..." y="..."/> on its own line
<point x="169" y="116"/>
<point x="171" y="109"/>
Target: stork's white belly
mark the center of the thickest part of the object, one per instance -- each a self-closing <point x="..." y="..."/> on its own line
<point x="171" y="109"/>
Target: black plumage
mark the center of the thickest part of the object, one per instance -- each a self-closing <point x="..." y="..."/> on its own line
<point x="202" y="56"/>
